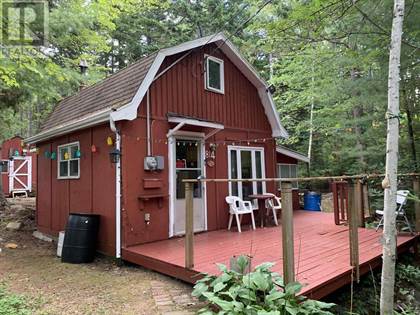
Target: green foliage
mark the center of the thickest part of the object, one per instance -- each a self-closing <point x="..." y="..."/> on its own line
<point x="332" y="54"/>
<point x="367" y="292"/>
<point x="12" y="304"/>
<point x="260" y="292"/>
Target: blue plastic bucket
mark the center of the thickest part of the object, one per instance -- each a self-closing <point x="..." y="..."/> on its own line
<point x="312" y="201"/>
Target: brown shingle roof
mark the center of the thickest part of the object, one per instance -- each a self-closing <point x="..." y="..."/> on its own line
<point x="113" y="92"/>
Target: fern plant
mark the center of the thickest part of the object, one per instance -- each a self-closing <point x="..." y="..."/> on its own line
<point x="260" y="292"/>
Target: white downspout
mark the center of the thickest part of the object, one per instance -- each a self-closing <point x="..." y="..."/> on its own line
<point x="149" y="145"/>
<point x="117" y="191"/>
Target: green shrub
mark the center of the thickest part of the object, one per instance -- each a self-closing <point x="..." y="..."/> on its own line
<point x="260" y="292"/>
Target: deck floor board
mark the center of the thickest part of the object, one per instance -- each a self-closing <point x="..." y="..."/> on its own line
<point x="321" y="251"/>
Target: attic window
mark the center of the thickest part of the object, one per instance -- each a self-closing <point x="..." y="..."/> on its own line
<point x="69" y="161"/>
<point x="214" y="75"/>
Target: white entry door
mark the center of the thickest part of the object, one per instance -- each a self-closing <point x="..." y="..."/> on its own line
<point x="187" y="163"/>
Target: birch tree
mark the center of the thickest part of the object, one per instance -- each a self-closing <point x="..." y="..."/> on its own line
<point x="390" y="181"/>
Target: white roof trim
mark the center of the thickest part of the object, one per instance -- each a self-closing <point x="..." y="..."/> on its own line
<point x="67" y="127"/>
<point x="129" y="111"/>
<point x="292" y="154"/>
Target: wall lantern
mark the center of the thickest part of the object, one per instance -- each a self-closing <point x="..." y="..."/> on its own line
<point x="114" y="156"/>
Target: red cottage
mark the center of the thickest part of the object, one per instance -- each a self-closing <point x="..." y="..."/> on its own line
<point x="196" y="109"/>
<point x="17" y="167"/>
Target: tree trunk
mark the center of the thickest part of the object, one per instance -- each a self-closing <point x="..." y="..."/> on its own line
<point x="357" y="112"/>
<point x="410" y="130"/>
<point x="311" y="122"/>
<point x="390" y="181"/>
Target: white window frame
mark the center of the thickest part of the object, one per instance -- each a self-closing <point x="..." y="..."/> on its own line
<point x="222" y="74"/>
<point x="70" y="159"/>
<point x="239" y="169"/>
<point x="279" y="173"/>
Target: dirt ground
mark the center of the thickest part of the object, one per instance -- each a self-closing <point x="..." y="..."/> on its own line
<point x="103" y="287"/>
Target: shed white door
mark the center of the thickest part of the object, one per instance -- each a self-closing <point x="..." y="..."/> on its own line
<point x="20" y="173"/>
<point x="188" y="163"/>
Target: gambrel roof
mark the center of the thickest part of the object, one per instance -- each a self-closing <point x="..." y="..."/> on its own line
<point x="119" y="96"/>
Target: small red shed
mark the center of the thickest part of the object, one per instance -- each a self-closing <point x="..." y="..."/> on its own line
<point x="17" y="167"/>
<point x="196" y="109"/>
<point x="287" y="167"/>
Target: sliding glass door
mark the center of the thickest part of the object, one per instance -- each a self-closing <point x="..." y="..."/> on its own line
<point x="246" y="163"/>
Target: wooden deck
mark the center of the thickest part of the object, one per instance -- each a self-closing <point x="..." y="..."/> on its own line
<point x="321" y="252"/>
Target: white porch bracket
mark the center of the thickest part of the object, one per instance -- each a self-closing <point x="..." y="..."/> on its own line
<point x="174" y="130"/>
<point x="182" y="121"/>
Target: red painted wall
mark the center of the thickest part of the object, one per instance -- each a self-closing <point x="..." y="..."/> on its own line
<point x="14" y="144"/>
<point x="181" y="91"/>
<point x="93" y="192"/>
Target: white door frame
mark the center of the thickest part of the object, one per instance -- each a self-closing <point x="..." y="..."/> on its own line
<point x="238" y="149"/>
<point x="13" y="173"/>
<point x="178" y="134"/>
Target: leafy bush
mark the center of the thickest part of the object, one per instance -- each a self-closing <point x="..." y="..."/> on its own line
<point x="12" y="304"/>
<point x="260" y="292"/>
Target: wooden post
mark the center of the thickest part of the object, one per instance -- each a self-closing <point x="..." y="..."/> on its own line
<point x="366" y="201"/>
<point x="416" y="190"/>
<point x="353" y="233"/>
<point x="359" y="204"/>
<point x="189" y="226"/>
<point x="287" y="232"/>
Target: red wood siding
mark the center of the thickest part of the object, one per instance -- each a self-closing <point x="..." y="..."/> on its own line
<point x="281" y="158"/>
<point x="181" y="91"/>
<point x="93" y="192"/>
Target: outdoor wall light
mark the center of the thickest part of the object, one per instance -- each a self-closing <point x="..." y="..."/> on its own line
<point x="114" y="155"/>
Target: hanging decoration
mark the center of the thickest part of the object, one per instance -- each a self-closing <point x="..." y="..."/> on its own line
<point x="66" y="155"/>
<point x="77" y="154"/>
<point x="53" y="155"/>
<point x="180" y="142"/>
<point x="47" y="154"/>
<point x="109" y="141"/>
<point x="93" y="148"/>
<point x="16" y="153"/>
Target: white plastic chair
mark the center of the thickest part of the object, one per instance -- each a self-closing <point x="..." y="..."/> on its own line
<point x="401" y="201"/>
<point x="273" y="204"/>
<point x="237" y="208"/>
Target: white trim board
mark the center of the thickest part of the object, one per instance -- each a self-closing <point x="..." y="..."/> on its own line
<point x="292" y="154"/>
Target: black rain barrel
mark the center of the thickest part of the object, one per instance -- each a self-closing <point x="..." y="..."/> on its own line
<point x="80" y="239"/>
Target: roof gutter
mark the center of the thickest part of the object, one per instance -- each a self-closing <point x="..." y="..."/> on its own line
<point x="85" y="122"/>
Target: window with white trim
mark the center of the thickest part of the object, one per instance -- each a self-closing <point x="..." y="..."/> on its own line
<point x="246" y="162"/>
<point x="214" y="75"/>
<point x="68" y="162"/>
<point x="4" y="166"/>
<point x="288" y="171"/>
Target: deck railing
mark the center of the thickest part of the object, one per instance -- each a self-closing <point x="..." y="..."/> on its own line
<point x="355" y="214"/>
